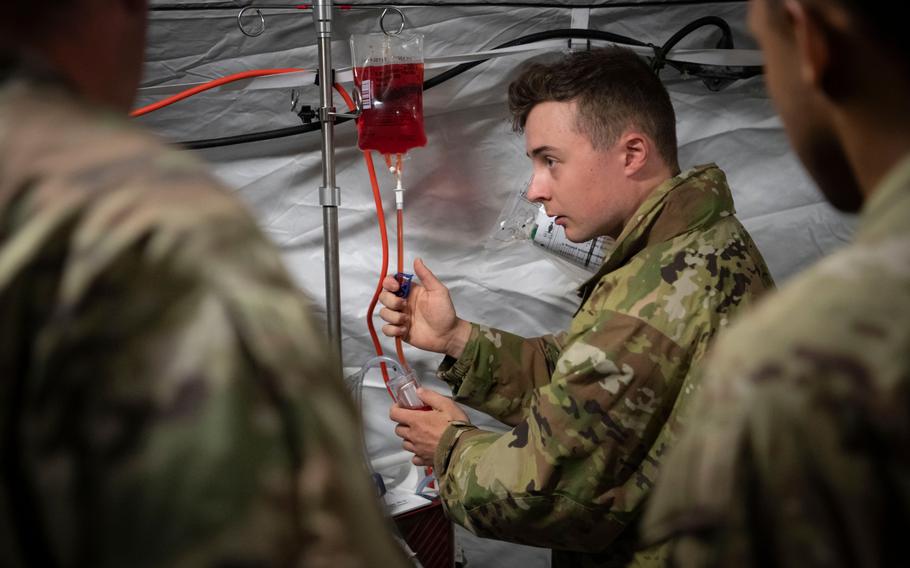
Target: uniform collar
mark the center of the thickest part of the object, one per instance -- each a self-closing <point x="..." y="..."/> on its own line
<point x="695" y="198"/>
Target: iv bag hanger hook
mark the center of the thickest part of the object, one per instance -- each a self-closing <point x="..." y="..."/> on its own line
<point x="258" y="8"/>
<point x="382" y="24"/>
<point x="358" y="106"/>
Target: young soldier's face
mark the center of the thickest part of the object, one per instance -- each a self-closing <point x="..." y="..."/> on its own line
<point x="583" y="187"/>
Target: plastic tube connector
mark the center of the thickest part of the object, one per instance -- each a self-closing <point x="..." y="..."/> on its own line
<point x="399" y="195"/>
<point x="403" y="384"/>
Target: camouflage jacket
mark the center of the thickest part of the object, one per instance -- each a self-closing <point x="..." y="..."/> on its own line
<point x="592" y="409"/>
<point x="165" y="398"/>
<point x="797" y="452"/>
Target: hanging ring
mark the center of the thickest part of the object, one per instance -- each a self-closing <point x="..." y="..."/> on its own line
<point x="385" y="12"/>
<point x="261" y="22"/>
<point x="358" y="107"/>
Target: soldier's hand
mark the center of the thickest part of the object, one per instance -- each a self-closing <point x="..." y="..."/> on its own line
<point x="426" y="318"/>
<point x="422" y="429"/>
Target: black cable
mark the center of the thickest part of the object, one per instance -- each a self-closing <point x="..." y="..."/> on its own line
<point x="569" y="33"/>
<point x="715" y="77"/>
<point x="726" y="40"/>
<point x="254" y="136"/>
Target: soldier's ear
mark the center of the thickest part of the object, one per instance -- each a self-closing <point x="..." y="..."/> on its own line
<point x="811" y="45"/>
<point x="636" y="150"/>
<point x="822" y="52"/>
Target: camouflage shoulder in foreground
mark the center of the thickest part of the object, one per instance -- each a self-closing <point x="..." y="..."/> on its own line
<point x="595" y="409"/>
<point x="166" y="396"/>
<point x="795" y="454"/>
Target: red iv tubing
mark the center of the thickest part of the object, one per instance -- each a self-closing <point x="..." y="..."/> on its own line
<point x="377" y="199"/>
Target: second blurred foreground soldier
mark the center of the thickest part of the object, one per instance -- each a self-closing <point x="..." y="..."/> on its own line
<point x="165" y="397"/>
<point x="797" y="452"/>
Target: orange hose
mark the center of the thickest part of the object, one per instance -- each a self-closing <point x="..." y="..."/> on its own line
<point x="210" y="85"/>
<point x="377" y="199"/>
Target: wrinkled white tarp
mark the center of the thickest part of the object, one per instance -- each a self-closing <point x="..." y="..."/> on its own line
<point x="458" y="185"/>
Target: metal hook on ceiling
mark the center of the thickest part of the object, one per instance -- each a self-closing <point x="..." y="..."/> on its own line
<point x="243" y="30"/>
<point x="258" y="31"/>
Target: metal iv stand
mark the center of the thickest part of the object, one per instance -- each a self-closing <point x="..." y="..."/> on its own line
<point x="329" y="194"/>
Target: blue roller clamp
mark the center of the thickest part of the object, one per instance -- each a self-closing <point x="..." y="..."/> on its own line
<point x="404" y="284"/>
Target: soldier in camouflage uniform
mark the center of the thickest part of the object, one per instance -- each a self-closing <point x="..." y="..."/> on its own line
<point x="796" y="452"/>
<point x="165" y="397"/>
<point x="592" y="409"/>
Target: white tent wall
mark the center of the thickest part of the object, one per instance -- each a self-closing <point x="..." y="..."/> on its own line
<point x="459" y="183"/>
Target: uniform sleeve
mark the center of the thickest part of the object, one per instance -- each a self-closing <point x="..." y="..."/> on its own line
<point x="186" y="415"/>
<point x="499" y="370"/>
<point x="555" y="479"/>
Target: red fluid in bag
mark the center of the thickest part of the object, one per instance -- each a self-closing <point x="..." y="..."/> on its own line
<point x="392" y="119"/>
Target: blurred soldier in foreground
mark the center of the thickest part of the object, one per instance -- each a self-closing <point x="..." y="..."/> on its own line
<point x="797" y="452"/>
<point x="165" y="397"/>
<point x="592" y="410"/>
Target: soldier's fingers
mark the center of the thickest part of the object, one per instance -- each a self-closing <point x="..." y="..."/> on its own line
<point x="390" y="330"/>
<point x="398" y="414"/>
<point x="434" y="399"/>
<point x="408" y="446"/>
<point x="401" y="431"/>
<point x="392" y="301"/>
<point x="393" y="317"/>
<point x="417" y="460"/>
<point x="390" y="284"/>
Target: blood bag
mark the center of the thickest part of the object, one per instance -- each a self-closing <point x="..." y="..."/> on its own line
<point x="388" y="72"/>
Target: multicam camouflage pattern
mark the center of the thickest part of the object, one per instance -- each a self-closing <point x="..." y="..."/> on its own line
<point x="796" y="452"/>
<point x="593" y="409"/>
<point x="166" y="398"/>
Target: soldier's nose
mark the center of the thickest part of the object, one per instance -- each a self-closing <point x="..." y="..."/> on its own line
<point x="536" y="191"/>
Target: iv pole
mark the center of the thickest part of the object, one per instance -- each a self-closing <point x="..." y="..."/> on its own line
<point x="329" y="194"/>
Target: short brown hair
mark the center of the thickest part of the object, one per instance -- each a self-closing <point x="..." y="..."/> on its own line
<point x="614" y="89"/>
